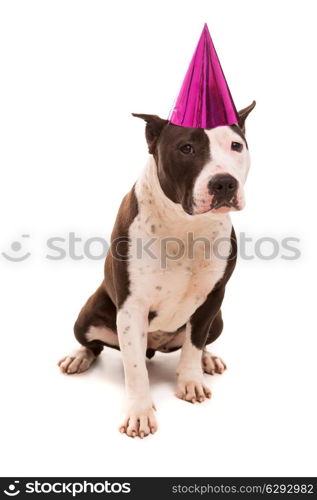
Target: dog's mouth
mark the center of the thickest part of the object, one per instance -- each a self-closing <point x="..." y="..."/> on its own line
<point x="223" y="206"/>
<point x="216" y="205"/>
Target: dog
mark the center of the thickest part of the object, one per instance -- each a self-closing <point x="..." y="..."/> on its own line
<point x="161" y="291"/>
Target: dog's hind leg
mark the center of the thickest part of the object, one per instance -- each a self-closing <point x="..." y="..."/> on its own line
<point x="94" y="328"/>
<point x="213" y="364"/>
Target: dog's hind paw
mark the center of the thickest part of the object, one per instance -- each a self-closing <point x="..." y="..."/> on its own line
<point x="212" y="364"/>
<point x="193" y="391"/>
<point x="77" y="362"/>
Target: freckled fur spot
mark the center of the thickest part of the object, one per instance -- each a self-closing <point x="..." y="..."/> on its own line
<point x="152" y="314"/>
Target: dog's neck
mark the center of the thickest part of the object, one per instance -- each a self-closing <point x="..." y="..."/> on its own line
<point x="152" y="199"/>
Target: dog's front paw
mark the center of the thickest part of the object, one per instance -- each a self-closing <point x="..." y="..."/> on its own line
<point x="192" y="390"/>
<point x="212" y="364"/>
<point x="139" y="420"/>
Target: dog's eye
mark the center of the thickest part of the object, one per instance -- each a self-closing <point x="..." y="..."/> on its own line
<point x="187" y="149"/>
<point x="237" y="146"/>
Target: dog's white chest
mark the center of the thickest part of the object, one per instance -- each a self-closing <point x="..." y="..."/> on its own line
<point x="173" y="268"/>
<point x="180" y="292"/>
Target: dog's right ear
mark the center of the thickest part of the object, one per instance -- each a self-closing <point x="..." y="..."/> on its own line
<point x="154" y="126"/>
<point x="243" y="114"/>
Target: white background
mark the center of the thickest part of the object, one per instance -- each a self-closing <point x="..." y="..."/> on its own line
<point x="71" y="74"/>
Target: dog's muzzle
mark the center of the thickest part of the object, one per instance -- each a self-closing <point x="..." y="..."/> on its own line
<point x="223" y="189"/>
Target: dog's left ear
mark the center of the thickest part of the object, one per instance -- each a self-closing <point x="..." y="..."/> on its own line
<point x="154" y="126"/>
<point x="243" y="115"/>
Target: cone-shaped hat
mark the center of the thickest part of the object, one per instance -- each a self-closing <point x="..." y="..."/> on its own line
<point x="204" y="100"/>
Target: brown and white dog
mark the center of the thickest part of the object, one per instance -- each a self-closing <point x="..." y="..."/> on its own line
<point x="173" y="249"/>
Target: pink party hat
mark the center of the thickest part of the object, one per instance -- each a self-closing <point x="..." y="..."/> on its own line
<point x="204" y="100"/>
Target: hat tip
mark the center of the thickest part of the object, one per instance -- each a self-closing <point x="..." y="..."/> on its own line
<point x="204" y="100"/>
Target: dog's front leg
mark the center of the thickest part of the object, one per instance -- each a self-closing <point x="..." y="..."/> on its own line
<point x="132" y="324"/>
<point x="190" y="383"/>
<point x="190" y="378"/>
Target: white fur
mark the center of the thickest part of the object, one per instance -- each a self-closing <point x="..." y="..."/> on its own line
<point x="190" y="378"/>
<point x="102" y="333"/>
<point x="138" y="416"/>
<point x="223" y="161"/>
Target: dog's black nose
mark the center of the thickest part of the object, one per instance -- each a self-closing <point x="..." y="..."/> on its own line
<point x="223" y="186"/>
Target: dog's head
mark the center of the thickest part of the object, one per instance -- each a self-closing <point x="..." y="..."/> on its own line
<point x="202" y="169"/>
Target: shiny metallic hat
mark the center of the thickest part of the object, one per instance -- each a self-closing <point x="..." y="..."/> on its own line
<point x="204" y="100"/>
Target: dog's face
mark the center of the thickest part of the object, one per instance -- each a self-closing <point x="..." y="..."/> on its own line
<point x="203" y="170"/>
